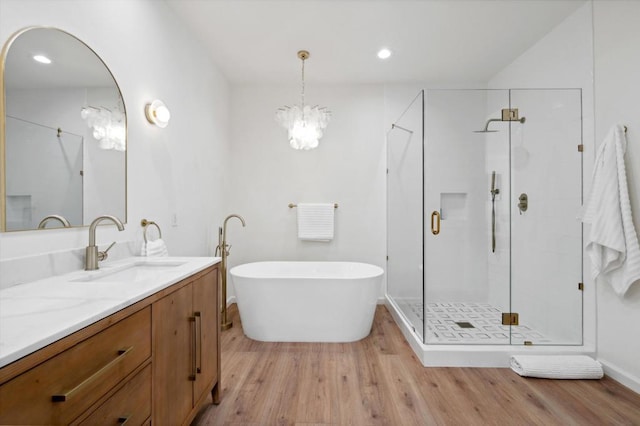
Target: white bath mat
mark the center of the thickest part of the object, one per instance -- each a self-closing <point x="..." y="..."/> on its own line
<point x="557" y="366"/>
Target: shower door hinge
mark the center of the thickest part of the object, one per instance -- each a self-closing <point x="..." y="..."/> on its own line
<point x="581" y="286"/>
<point x="580" y="148"/>
<point x="387" y="257"/>
<point x="510" y="318"/>
<point x="528" y="343"/>
<point x="510" y="114"/>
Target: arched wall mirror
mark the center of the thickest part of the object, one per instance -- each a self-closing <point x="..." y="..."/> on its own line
<point x="63" y="135"/>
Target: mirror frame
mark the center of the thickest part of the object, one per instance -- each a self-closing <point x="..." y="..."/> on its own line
<point x="3" y="109"/>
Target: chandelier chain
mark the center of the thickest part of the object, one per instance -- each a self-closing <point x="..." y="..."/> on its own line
<point x="302" y="84"/>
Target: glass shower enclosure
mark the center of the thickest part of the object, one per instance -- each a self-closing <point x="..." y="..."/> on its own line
<point x="484" y="191"/>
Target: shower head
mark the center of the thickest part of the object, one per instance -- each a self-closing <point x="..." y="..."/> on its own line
<point x="486" y="126"/>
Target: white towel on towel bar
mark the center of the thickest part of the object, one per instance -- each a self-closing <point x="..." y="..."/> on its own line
<point x="557" y="366"/>
<point x="315" y="221"/>
<point x="155" y="248"/>
<point x="612" y="242"/>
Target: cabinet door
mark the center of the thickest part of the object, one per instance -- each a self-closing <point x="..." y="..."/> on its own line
<point x="172" y="357"/>
<point x="205" y="302"/>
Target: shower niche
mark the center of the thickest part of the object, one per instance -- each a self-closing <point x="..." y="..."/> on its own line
<point x="453" y="206"/>
<point x="493" y="274"/>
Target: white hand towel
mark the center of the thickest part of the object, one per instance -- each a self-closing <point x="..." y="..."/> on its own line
<point x="612" y="242"/>
<point x="155" y="248"/>
<point x="315" y="221"/>
<point x="557" y="366"/>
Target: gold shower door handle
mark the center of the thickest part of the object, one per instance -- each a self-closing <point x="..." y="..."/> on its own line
<point x="435" y="222"/>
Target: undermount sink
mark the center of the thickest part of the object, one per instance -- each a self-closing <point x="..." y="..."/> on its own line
<point x="134" y="272"/>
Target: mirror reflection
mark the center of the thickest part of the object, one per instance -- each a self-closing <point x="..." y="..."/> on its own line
<point x="64" y="134"/>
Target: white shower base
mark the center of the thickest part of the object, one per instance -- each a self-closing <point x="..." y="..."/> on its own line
<point x="474" y="352"/>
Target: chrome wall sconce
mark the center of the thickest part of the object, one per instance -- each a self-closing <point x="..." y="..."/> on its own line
<point x="157" y="113"/>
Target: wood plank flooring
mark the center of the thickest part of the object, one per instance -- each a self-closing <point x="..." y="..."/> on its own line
<point x="379" y="381"/>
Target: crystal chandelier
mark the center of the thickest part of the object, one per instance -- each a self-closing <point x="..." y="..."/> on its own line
<point x="107" y="125"/>
<point x="303" y="122"/>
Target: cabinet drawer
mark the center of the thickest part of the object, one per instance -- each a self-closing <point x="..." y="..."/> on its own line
<point x="130" y="405"/>
<point x="61" y="388"/>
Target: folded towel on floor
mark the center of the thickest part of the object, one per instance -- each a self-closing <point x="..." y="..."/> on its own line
<point x="315" y="222"/>
<point x="156" y="248"/>
<point x="612" y="243"/>
<point x="557" y="366"/>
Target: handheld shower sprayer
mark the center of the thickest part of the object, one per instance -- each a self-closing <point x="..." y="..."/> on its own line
<point x="494" y="191"/>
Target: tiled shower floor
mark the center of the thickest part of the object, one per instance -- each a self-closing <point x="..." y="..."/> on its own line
<point x="472" y="323"/>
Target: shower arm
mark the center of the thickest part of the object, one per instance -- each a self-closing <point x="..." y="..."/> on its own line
<point x="491" y="120"/>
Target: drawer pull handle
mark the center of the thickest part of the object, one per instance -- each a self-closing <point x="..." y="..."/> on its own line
<point x="123" y="419"/>
<point x="194" y="347"/>
<point x="198" y="316"/>
<point x="122" y="353"/>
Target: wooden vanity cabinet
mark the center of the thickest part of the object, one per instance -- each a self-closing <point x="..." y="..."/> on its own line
<point x="152" y="362"/>
<point x="186" y="355"/>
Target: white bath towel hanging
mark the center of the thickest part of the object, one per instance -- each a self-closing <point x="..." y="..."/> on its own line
<point x="612" y="242"/>
<point x="155" y="248"/>
<point x="315" y="221"/>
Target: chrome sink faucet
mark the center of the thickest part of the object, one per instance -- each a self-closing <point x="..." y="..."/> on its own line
<point x="92" y="255"/>
<point x="65" y="223"/>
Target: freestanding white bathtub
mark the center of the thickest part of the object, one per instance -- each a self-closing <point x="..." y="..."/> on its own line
<point x="306" y="301"/>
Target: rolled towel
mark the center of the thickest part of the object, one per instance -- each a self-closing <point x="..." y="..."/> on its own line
<point x="557" y="366"/>
<point x="156" y="248"/>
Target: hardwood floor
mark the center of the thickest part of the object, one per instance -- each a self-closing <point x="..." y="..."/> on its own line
<point x="379" y="381"/>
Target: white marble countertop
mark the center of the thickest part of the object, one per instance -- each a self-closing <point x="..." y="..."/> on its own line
<point x="35" y="314"/>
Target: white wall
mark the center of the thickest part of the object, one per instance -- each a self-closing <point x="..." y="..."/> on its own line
<point x="347" y="168"/>
<point x="617" y="96"/>
<point x="173" y="171"/>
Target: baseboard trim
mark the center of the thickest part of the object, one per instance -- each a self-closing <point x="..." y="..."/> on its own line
<point x="621" y="376"/>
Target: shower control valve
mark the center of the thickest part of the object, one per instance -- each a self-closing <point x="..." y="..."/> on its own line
<point x="523" y="204"/>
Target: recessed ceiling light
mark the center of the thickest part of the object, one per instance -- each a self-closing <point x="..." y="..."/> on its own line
<point x="384" y="53"/>
<point x="42" y="59"/>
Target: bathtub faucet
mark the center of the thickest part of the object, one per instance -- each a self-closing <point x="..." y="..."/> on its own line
<point x="222" y="236"/>
<point x="223" y="249"/>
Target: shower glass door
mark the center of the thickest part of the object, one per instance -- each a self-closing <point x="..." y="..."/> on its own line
<point x="546" y="236"/>
<point x="404" y="215"/>
<point x="466" y="181"/>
